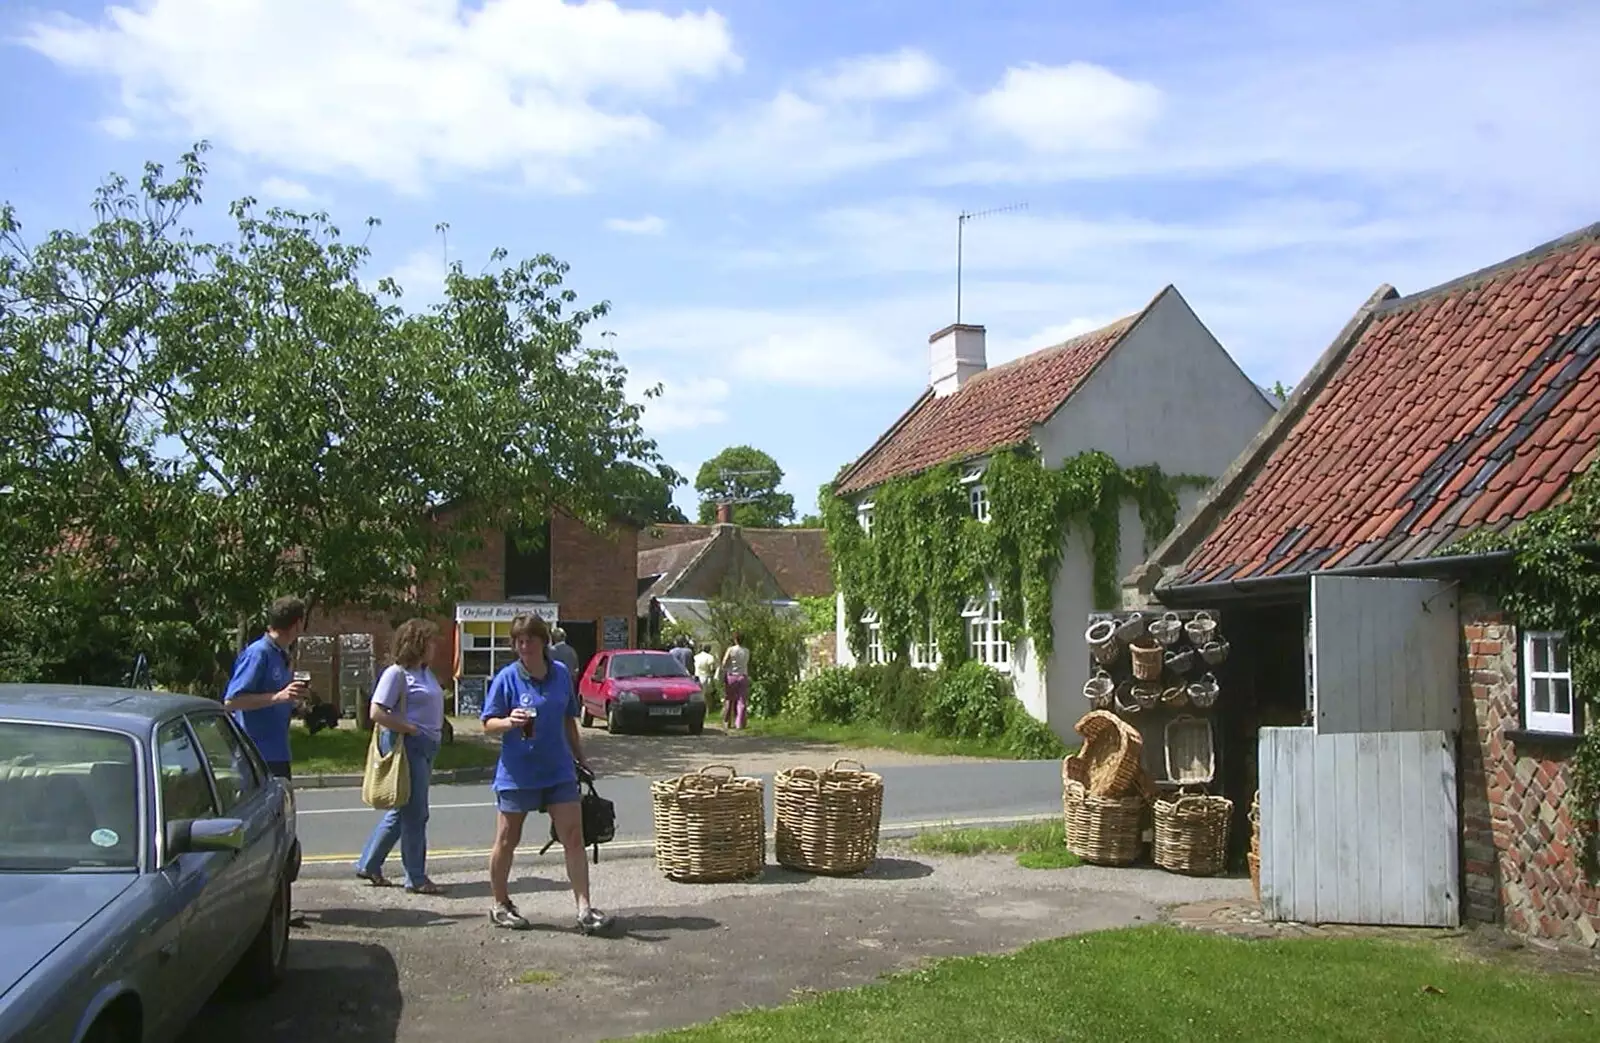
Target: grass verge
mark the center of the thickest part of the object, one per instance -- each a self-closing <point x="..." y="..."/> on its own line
<point x="1037" y="845"/>
<point x="868" y="736"/>
<point x="1159" y="983"/>
<point x="343" y="751"/>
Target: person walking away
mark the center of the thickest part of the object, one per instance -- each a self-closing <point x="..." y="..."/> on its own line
<point x="564" y="653"/>
<point x="735" y="682"/>
<point x="262" y="691"/>
<point x="533" y="707"/>
<point x="705" y="667"/>
<point x="682" y="652"/>
<point x="408" y="704"/>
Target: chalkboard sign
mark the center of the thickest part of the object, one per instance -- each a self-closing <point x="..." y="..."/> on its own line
<point x="616" y="633"/>
<point x="470" y="693"/>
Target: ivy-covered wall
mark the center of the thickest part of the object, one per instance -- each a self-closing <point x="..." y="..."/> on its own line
<point x="927" y="555"/>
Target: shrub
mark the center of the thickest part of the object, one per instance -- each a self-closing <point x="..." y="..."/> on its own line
<point x="1028" y="738"/>
<point x="969" y="702"/>
<point x="775" y="638"/>
<point x="896" y="696"/>
<point x="834" y="695"/>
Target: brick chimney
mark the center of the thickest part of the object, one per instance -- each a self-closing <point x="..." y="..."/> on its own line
<point x="956" y="355"/>
<point x="724" y="514"/>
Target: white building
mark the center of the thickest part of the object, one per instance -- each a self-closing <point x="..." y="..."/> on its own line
<point x="1152" y="388"/>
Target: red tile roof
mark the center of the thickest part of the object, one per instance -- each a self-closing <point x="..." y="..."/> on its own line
<point x="997" y="408"/>
<point x="1466" y="406"/>
<point x="797" y="557"/>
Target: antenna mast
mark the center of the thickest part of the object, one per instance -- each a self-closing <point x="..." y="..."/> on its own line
<point x="961" y="226"/>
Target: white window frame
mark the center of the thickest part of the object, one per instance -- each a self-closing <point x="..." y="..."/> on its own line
<point x="977" y="494"/>
<point x="986" y="641"/>
<point x="875" y="654"/>
<point x="1536" y="669"/>
<point x="864" y="517"/>
<point x="925" y="653"/>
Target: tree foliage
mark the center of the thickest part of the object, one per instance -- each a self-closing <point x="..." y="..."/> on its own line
<point x="775" y="636"/>
<point x="191" y="428"/>
<point x="741" y="473"/>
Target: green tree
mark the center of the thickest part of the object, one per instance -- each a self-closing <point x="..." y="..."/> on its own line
<point x="650" y="495"/>
<point x="191" y="428"/>
<point x="775" y="636"/>
<point x="749" y="478"/>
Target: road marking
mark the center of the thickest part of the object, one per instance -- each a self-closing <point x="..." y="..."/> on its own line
<point x="646" y="845"/>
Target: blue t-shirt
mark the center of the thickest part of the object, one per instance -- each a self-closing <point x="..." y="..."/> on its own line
<point x="263" y="667"/>
<point x="546" y="759"/>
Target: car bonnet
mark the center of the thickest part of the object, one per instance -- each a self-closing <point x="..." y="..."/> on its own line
<point x="40" y="911"/>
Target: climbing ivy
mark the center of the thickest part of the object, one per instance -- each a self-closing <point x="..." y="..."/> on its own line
<point x="1554" y="584"/>
<point x="927" y="555"/>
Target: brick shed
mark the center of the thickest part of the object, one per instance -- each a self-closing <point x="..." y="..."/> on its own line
<point x="1430" y="779"/>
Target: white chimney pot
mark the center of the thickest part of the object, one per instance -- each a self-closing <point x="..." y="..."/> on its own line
<point x="956" y="355"/>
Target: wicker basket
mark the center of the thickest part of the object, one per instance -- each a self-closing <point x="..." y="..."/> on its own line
<point x="827" y="821"/>
<point x="1191" y="758"/>
<point x="1147" y="657"/>
<point x="1112" y="750"/>
<point x="1192" y="834"/>
<point x="710" y="825"/>
<point x="1102" y="830"/>
<point x="1255" y="874"/>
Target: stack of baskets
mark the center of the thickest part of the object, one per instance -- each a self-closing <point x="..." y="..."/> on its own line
<point x="710" y="826"/>
<point x="827" y="821"/>
<point x="1105" y="792"/>
<point x="1255" y="844"/>
<point x="1192" y="834"/>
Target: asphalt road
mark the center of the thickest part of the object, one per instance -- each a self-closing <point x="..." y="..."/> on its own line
<point x="333" y="823"/>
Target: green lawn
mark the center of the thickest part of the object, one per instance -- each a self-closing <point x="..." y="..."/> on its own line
<point x="867" y="736"/>
<point x="1037" y="845"/>
<point x="1156" y="984"/>
<point x="343" y="751"/>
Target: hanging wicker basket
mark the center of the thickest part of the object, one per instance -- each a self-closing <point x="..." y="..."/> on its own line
<point x="1180" y="662"/>
<point x="1111" y="752"/>
<point x="1147" y="695"/>
<point x="1214" y="651"/>
<point x="1131" y="628"/>
<point x="1099" y="690"/>
<point x="1191" y="758"/>
<point x="1203" y="693"/>
<point x="827" y="821"/>
<point x="1102" y="830"/>
<point x="1200" y="628"/>
<point x="710" y="826"/>
<point x="1147" y="658"/>
<point x="1168" y="630"/>
<point x="1192" y="834"/>
<point x="1175" y="696"/>
<point x="1101" y="638"/>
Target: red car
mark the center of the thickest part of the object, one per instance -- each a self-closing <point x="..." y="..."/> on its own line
<point x="631" y="687"/>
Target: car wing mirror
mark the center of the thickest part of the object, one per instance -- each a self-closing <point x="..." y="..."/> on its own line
<point x="204" y="834"/>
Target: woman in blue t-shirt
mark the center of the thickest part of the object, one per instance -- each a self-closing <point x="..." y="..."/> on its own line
<point x="533" y="706"/>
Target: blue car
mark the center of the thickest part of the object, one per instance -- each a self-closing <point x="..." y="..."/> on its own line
<point x="145" y="859"/>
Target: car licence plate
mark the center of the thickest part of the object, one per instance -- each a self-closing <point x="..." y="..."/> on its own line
<point x="666" y="711"/>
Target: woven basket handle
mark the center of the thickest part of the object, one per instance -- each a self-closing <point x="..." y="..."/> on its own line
<point x="846" y="760"/>
<point x="706" y="771"/>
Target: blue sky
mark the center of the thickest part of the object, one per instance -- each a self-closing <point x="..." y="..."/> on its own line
<point x="767" y="192"/>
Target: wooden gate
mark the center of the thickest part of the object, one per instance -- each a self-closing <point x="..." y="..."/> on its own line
<point x="1359" y="827"/>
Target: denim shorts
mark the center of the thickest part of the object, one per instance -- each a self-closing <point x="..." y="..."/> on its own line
<point x="522" y="801"/>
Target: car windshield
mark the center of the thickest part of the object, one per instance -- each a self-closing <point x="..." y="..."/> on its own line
<point x="645" y="664"/>
<point x="69" y="799"/>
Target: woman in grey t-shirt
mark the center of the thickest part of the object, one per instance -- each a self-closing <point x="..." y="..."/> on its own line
<point x="735" y="682"/>
<point x="418" y="723"/>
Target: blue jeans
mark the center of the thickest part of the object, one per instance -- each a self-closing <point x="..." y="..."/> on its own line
<point x="408" y="824"/>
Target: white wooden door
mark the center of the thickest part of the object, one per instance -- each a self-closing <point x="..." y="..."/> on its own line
<point x="1386" y="655"/>
<point x="1359" y="828"/>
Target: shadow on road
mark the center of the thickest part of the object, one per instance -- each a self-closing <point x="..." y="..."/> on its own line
<point x="335" y="990"/>
<point x="479" y="889"/>
<point x="379" y="919"/>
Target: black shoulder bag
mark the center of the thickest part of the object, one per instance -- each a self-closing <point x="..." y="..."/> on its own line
<point x="599" y="818"/>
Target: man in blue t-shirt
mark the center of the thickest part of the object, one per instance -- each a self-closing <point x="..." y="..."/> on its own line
<point x="262" y="691"/>
<point x="533" y="707"/>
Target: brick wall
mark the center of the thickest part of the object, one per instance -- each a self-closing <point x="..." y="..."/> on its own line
<point x="1521" y="854"/>
<point x="592" y="575"/>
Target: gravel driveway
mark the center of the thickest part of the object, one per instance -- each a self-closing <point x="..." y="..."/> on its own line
<point x="376" y="966"/>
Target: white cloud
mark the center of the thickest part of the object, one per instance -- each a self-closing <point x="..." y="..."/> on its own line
<point x="286" y="191"/>
<point x="421" y="277"/>
<point x="119" y="127"/>
<point x="1069" y="108"/>
<point x="898" y="76"/>
<point x="1005" y="349"/>
<point x="401" y="92"/>
<point x="685" y="402"/>
<point x="647" y="225"/>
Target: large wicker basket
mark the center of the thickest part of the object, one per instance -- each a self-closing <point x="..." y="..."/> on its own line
<point x="1192" y="834"/>
<point x="1102" y="830"/>
<point x="827" y="821"/>
<point x="710" y="826"/>
<point x="1112" y="750"/>
<point x="1255" y="845"/>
